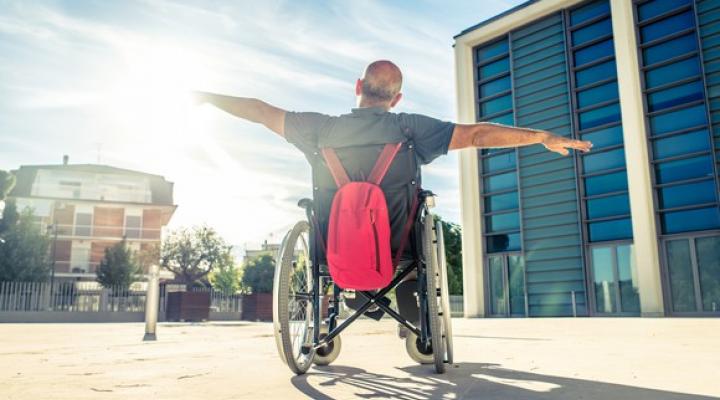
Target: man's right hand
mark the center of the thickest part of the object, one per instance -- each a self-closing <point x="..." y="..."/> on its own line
<point x="199" y="98"/>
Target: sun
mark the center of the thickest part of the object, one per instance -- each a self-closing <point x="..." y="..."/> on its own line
<point x="150" y="94"/>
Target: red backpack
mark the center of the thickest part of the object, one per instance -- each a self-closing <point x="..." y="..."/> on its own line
<point x="358" y="243"/>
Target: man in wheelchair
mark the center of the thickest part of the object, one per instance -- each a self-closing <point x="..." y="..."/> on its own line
<point x="369" y="229"/>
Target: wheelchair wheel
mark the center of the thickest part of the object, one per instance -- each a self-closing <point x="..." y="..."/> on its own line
<point x="328" y="354"/>
<point x="435" y="318"/>
<point x="444" y="292"/>
<point x="292" y="299"/>
<point x="415" y="350"/>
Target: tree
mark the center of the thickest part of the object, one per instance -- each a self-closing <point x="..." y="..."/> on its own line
<point x="226" y="277"/>
<point x="7" y="181"/>
<point x="453" y="255"/>
<point x="10" y="216"/>
<point x="118" y="268"/>
<point x="259" y="273"/>
<point x="192" y="253"/>
<point x="24" y="250"/>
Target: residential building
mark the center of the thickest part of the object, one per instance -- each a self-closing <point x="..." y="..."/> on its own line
<point x="86" y="208"/>
<point x="631" y="228"/>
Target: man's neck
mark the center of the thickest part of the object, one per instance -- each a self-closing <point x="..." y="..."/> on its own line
<point x="367" y="104"/>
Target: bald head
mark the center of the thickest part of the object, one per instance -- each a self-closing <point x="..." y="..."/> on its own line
<point x="381" y="83"/>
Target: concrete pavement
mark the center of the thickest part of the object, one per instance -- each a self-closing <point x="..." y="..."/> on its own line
<point x="585" y="358"/>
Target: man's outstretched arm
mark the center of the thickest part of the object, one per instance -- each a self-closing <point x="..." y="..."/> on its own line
<point x="489" y="135"/>
<point x="253" y="110"/>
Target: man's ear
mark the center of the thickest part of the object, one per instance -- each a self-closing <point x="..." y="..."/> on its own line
<point x="358" y="87"/>
<point x="395" y="100"/>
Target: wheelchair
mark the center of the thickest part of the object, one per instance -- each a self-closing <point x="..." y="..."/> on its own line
<point x="306" y="335"/>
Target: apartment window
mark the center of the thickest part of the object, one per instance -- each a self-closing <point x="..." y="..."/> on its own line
<point x="83" y="224"/>
<point x="133" y="225"/>
<point x="506" y="275"/>
<point x="614" y="279"/>
<point x="597" y="118"/>
<point x="683" y="162"/>
<point x="693" y="270"/>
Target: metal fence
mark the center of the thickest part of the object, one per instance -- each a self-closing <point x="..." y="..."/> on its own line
<point x="90" y="297"/>
<point x="456" y="305"/>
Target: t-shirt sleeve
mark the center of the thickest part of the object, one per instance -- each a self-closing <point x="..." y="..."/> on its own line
<point x="431" y="136"/>
<point x="302" y="128"/>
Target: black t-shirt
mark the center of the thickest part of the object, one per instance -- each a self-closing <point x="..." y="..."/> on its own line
<point x="358" y="138"/>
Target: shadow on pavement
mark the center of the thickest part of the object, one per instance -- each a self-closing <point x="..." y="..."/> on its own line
<point x="465" y="381"/>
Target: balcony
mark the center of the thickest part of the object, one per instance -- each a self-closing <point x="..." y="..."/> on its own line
<point x="105" y="232"/>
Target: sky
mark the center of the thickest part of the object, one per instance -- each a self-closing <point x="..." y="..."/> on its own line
<point x="107" y="82"/>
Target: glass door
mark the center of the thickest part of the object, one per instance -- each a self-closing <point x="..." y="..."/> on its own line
<point x="614" y="280"/>
<point x="693" y="274"/>
<point x="506" y="277"/>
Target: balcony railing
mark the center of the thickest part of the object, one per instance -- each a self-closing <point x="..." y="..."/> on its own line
<point x="105" y="231"/>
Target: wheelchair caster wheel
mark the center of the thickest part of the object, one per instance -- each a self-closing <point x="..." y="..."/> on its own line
<point x="328" y="354"/>
<point x="416" y="351"/>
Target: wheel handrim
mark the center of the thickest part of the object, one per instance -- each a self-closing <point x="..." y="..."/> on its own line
<point x="299" y="300"/>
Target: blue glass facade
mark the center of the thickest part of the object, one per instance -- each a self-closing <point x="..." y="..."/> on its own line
<point x="560" y="228"/>
<point x="679" y="127"/>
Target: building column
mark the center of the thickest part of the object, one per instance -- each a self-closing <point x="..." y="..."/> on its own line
<point x="471" y="215"/>
<point x="640" y="186"/>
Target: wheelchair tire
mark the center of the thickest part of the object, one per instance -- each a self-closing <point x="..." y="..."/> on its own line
<point x="435" y="320"/>
<point x="328" y="354"/>
<point x="292" y="313"/>
<point x="444" y="292"/>
<point x="415" y="351"/>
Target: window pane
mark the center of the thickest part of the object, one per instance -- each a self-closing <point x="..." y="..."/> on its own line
<point x="589" y="11"/>
<point x="595" y="73"/>
<point x="591" y="32"/>
<point x="500" y="162"/>
<point x="594" y="52"/>
<point x="680" y="119"/>
<point x="687" y="194"/>
<point x="506" y="119"/>
<point x="708" y="258"/>
<point x="657" y="7"/>
<point x="606" y="183"/>
<point x="675" y="96"/>
<point x="83" y="224"/>
<point x="691" y="220"/>
<point x="681" y="144"/>
<point x="492" y="50"/>
<point x="516" y="281"/>
<point x="494" y="87"/>
<point x="681" y="277"/>
<point x="603" y="161"/>
<point x="671" y="48"/>
<point x="673" y="72"/>
<point x="627" y="279"/>
<point x="500" y="182"/>
<point x="496" y="105"/>
<point x="499" y="202"/>
<point x="599" y="116"/>
<point x="132" y="226"/>
<point x="608" y="206"/>
<point x="667" y="26"/>
<point x="497" y="286"/>
<point x="688" y="168"/>
<point x="494" y="68"/>
<point x="502" y="222"/>
<point x="603" y="279"/>
<point x="610" y="230"/>
<point x="605" y="137"/>
<point x="597" y="94"/>
<point x="506" y="242"/>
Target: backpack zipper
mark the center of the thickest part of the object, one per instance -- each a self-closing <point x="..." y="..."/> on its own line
<point x="377" y="245"/>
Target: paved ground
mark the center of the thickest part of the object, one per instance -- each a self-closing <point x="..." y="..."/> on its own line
<point x="599" y="358"/>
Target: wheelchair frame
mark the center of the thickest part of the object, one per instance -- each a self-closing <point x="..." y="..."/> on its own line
<point x="320" y="278"/>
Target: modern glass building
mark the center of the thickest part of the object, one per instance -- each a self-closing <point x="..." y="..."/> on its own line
<point x="631" y="228"/>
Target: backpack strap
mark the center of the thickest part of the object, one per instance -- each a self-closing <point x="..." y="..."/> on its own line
<point x="383" y="162"/>
<point x="335" y="166"/>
